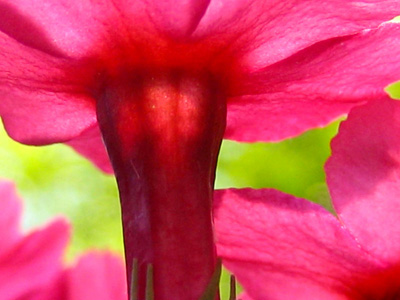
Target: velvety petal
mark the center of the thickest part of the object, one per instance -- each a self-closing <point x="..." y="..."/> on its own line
<point x="363" y="176"/>
<point x="273" y="117"/>
<point x="314" y="86"/>
<point x="90" y="145"/>
<point x="40" y="101"/>
<point x="75" y="28"/>
<point x="263" y="32"/>
<point x="99" y="276"/>
<point x="57" y="27"/>
<point x="34" y="262"/>
<point x="177" y="18"/>
<point x="282" y="247"/>
<point x="10" y="208"/>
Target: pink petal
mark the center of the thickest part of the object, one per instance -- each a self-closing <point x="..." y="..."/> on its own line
<point x="273" y="117"/>
<point x="57" y="27"/>
<point x="75" y="28"/>
<point x="90" y="145"/>
<point x="34" y="262"/>
<point x="282" y="247"/>
<point x="244" y="296"/>
<point x="263" y="32"/>
<point x="177" y="18"/>
<point x="40" y="103"/>
<point x="10" y="208"/>
<point x="363" y="176"/>
<point x="99" y="276"/>
<point x="314" y="86"/>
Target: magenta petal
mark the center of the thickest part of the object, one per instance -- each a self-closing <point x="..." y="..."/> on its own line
<point x="278" y="116"/>
<point x="245" y="296"/>
<point x="363" y="176"/>
<point x="99" y="276"/>
<point x="263" y="32"/>
<point x="90" y="145"/>
<point x="43" y="118"/>
<point x="34" y="262"/>
<point x="314" y="86"/>
<point x="282" y="247"/>
<point x="74" y="28"/>
<point x="177" y="18"/>
<point x="10" y="215"/>
<point x="58" y="27"/>
<point x="40" y="103"/>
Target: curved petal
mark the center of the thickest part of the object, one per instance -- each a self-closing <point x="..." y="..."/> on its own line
<point x="90" y="145"/>
<point x="99" y="276"/>
<point x="315" y="86"/>
<point x="177" y="18"/>
<point x="263" y="32"/>
<point x="34" y="262"/>
<point x="282" y="247"/>
<point x="42" y="99"/>
<point x="10" y="216"/>
<point x="57" y="27"/>
<point x="273" y="117"/>
<point x="76" y="28"/>
<point x="363" y="176"/>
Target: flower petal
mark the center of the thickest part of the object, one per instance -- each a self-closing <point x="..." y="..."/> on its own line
<point x="263" y="32"/>
<point x="10" y="217"/>
<point x="90" y="145"/>
<point x="273" y="117"/>
<point x="177" y="18"/>
<point x="74" y="28"/>
<point x="99" y="276"/>
<point x="282" y="247"/>
<point x="40" y="102"/>
<point x="363" y="176"/>
<point x="315" y="86"/>
<point x="57" y="27"/>
<point x="34" y="262"/>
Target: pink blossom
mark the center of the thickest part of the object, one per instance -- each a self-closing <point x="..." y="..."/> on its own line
<point x="31" y="265"/>
<point x="283" y="247"/>
<point x="161" y="79"/>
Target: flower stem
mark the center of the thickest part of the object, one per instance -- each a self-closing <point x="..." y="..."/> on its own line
<point x="163" y="130"/>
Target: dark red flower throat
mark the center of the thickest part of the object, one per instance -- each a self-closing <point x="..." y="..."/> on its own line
<point x="163" y="129"/>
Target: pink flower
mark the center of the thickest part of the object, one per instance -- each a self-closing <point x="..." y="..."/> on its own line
<point x="282" y="247"/>
<point x="162" y="78"/>
<point x="31" y="265"/>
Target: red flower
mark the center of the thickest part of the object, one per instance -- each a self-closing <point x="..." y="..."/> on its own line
<point x="282" y="247"/>
<point x="162" y="77"/>
<point x="31" y="265"/>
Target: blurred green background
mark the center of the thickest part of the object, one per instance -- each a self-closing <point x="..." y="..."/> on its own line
<point x="54" y="180"/>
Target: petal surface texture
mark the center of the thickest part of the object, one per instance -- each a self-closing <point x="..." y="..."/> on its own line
<point x="42" y="97"/>
<point x="281" y="247"/>
<point x="363" y="177"/>
<point x="314" y="86"/>
<point x="264" y="32"/>
<point x="90" y="145"/>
